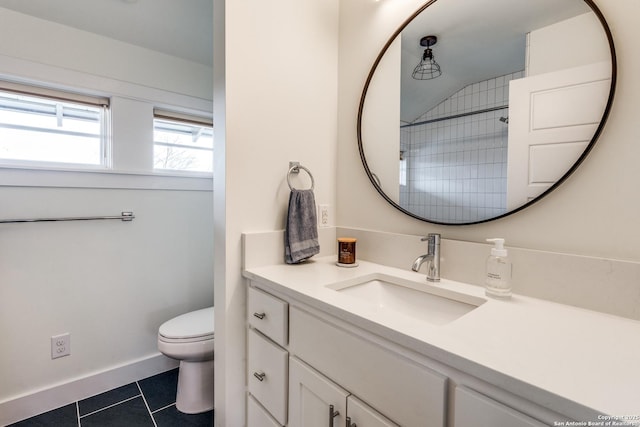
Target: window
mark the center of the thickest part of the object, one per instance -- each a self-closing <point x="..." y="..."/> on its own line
<point x="182" y="142"/>
<point x="39" y="125"/>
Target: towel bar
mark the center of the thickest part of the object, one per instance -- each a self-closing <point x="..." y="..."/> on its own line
<point x="295" y="169"/>
<point x="124" y="216"/>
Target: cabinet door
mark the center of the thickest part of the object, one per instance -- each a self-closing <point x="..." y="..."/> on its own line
<point x="257" y="416"/>
<point x="474" y="409"/>
<point x="362" y="415"/>
<point x="310" y="397"/>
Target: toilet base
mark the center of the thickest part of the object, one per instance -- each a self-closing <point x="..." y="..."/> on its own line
<point x="195" y="387"/>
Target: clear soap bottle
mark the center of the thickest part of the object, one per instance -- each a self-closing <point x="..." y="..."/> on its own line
<point x="498" y="277"/>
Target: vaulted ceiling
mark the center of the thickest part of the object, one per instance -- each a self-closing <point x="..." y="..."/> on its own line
<point x="182" y="28"/>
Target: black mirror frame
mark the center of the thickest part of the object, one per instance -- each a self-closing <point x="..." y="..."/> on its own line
<point x="583" y="156"/>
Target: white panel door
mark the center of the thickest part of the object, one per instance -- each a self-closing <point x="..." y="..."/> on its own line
<point x="552" y="118"/>
<point x="310" y="397"/>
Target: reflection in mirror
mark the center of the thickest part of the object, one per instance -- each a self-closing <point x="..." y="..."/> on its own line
<point x="524" y="88"/>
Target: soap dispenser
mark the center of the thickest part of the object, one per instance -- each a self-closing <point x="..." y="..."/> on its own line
<point x="498" y="278"/>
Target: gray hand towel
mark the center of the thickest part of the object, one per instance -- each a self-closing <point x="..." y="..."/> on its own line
<point x="301" y="232"/>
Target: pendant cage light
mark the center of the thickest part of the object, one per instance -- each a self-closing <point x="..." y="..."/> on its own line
<point x="428" y="68"/>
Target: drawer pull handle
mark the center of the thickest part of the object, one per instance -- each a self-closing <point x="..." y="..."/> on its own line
<point x="350" y="424"/>
<point x="259" y="375"/>
<point x="259" y="315"/>
<point x="332" y="415"/>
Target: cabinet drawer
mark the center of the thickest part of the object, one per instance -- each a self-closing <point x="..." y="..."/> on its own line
<point x="267" y="367"/>
<point x="402" y="390"/>
<point x="257" y="416"/>
<point x="269" y="315"/>
<point x="474" y="409"/>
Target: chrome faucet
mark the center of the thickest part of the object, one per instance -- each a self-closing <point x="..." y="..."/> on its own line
<point x="432" y="257"/>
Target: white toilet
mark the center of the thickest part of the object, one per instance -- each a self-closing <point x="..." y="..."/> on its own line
<point x="189" y="339"/>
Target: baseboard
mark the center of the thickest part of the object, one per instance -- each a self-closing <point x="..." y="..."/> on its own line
<point x="40" y="401"/>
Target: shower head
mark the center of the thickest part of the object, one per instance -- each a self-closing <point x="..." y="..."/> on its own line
<point x="504" y="119"/>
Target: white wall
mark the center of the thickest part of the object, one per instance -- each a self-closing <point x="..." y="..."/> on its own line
<point x="570" y="43"/>
<point x="380" y="118"/>
<point x="45" y="42"/>
<point x="108" y="283"/>
<point x="275" y="97"/>
<point x="593" y="213"/>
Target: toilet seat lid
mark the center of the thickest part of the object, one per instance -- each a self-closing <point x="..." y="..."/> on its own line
<point x="195" y="324"/>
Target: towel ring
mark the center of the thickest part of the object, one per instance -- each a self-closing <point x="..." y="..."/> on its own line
<point x="295" y="169"/>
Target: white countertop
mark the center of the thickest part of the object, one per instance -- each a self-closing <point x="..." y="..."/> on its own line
<point x="525" y="344"/>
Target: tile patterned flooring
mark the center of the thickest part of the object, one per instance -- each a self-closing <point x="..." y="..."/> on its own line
<point x="146" y="403"/>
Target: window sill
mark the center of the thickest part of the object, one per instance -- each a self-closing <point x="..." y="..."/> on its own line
<point x="107" y="179"/>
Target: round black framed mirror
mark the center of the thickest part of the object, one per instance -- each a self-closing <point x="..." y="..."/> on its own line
<point x="473" y="111"/>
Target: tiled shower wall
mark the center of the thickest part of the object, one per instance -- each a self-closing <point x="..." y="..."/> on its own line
<point x="455" y="170"/>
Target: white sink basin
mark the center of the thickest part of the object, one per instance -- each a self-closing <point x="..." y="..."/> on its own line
<point x="422" y="301"/>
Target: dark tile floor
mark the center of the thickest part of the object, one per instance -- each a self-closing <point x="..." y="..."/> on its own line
<point x="148" y="402"/>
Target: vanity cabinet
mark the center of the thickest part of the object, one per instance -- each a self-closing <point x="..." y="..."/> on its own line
<point x="317" y="401"/>
<point x="287" y="349"/>
<point x="307" y="367"/>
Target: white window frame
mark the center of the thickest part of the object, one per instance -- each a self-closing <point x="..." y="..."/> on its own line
<point x="51" y="94"/>
<point x="137" y="174"/>
<point x="183" y="119"/>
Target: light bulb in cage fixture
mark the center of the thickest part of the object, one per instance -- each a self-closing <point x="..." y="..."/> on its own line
<point x="428" y="68"/>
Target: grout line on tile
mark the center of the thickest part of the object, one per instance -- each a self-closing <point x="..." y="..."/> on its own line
<point x="78" y="413"/>
<point x="163" y="408"/>
<point x="144" y="399"/>
<point x="110" y="406"/>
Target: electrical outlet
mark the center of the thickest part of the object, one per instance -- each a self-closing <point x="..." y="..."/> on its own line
<point x="324" y="215"/>
<point x="60" y="345"/>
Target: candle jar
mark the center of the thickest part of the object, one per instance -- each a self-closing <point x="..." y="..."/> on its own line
<point x="346" y="250"/>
